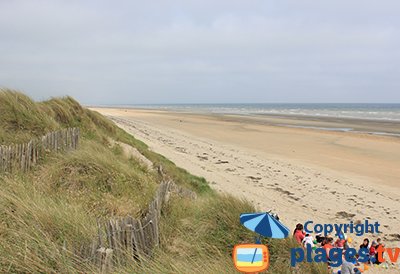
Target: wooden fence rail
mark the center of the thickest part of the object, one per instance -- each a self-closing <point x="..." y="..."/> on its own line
<point x="133" y="238"/>
<point x="23" y="156"/>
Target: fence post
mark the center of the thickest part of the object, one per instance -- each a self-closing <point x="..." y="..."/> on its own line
<point x="29" y="154"/>
<point x="129" y="237"/>
<point x="138" y="237"/>
<point x="101" y="254"/>
<point x="1" y="158"/>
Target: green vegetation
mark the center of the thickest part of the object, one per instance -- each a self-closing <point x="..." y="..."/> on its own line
<point x="48" y="214"/>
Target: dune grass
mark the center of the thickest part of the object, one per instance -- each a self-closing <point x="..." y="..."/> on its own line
<point x="49" y="213"/>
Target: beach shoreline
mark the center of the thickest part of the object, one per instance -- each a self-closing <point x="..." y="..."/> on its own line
<point x="301" y="173"/>
<point x="370" y="126"/>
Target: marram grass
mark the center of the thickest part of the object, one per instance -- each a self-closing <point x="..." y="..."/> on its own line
<point x="49" y="213"/>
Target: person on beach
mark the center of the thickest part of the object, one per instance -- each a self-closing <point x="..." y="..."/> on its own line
<point x="348" y="267"/>
<point x="365" y="244"/>
<point x="319" y="238"/>
<point x="372" y="250"/>
<point x="328" y="246"/>
<point x="378" y="244"/>
<point x="340" y="243"/>
<point x="298" y="233"/>
<point x="308" y="240"/>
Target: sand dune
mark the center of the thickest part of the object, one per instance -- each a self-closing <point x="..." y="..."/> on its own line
<point x="302" y="174"/>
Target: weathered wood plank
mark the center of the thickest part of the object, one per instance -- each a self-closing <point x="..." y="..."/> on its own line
<point x="108" y="261"/>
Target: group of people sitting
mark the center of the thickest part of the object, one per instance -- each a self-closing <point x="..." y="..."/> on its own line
<point x="342" y="242"/>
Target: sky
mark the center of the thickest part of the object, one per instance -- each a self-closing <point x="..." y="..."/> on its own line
<point x="225" y="51"/>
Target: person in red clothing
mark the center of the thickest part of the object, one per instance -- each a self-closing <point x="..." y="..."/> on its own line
<point x="328" y="246"/>
<point x="372" y="249"/>
<point x="340" y="243"/>
<point x="298" y="233"/>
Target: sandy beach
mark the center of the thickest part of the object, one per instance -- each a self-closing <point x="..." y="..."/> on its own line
<point x="300" y="173"/>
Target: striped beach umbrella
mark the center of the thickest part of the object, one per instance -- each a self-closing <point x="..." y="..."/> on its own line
<point x="264" y="224"/>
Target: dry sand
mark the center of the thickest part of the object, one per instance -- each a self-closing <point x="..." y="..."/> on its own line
<point x="302" y="174"/>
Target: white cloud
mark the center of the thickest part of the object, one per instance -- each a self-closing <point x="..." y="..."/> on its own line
<point x="202" y="51"/>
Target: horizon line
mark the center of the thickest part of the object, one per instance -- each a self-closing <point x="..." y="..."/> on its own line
<point x="251" y="103"/>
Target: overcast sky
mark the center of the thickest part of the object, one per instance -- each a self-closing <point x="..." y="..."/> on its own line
<point x="225" y="51"/>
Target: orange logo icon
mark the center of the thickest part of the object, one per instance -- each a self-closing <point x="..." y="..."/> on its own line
<point x="250" y="258"/>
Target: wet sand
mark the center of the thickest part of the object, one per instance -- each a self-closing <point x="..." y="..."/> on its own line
<point x="300" y="173"/>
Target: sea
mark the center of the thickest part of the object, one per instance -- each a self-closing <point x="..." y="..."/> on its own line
<point x="382" y="112"/>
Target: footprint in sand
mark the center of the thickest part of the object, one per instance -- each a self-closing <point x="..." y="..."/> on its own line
<point x="254" y="178"/>
<point x="221" y="162"/>
<point x="202" y="158"/>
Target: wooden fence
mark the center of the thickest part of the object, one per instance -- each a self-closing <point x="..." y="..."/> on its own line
<point x="23" y="156"/>
<point x="117" y="238"/>
<point x="133" y="238"/>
